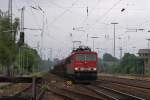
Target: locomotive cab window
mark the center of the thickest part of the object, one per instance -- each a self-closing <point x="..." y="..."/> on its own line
<point x="86" y="57"/>
<point x="80" y="57"/>
<point x="90" y="57"/>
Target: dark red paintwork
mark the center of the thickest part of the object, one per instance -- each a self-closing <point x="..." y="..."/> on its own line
<point x="85" y="64"/>
<point x="85" y="69"/>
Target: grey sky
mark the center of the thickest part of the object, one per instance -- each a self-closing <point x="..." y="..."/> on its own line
<point x="60" y="16"/>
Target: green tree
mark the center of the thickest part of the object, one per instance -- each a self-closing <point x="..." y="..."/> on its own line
<point x="7" y="42"/>
<point x="10" y="50"/>
<point x="130" y="64"/>
<point x="27" y="60"/>
<point x="109" y="63"/>
<point x="109" y="57"/>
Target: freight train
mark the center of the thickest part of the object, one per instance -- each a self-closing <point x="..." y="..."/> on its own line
<point x="80" y="65"/>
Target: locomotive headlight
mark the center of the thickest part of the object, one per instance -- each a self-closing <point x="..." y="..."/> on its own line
<point x="76" y="68"/>
<point x="94" y="69"/>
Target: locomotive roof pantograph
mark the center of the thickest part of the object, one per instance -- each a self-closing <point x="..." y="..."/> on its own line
<point x="82" y="48"/>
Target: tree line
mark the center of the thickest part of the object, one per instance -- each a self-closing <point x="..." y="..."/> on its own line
<point x="13" y="57"/>
<point x="128" y="64"/>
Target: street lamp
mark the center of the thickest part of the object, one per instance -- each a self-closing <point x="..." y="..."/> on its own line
<point x="94" y="37"/>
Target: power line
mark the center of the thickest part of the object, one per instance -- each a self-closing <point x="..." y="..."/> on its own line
<point x="90" y="12"/>
<point x="37" y="23"/>
<point x="44" y="17"/>
<point x="109" y="10"/>
<point x="34" y="17"/>
<point x="57" y="5"/>
<point x="145" y="22"/>
<point x="65" y="8"/>
<point x="64" y="12"/>
<point x="97" y="20"/>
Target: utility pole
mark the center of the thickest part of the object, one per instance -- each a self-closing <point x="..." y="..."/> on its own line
<point x="148" y="43"/>
<point x="120" y="52"/>
<point x="10" y="13"/>
<point x="94" y="37"/>
<point x="9" y="68"/>
<point x="22" y="19"/>
<point x="114" y="39"/>
<point x="21" y="41"/>
<point x="10" y="20"/>
<point x="120" y="48"/>
<point x="51" y="52"/>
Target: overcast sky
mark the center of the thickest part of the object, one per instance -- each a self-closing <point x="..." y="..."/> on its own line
<point x="59" y="17"/>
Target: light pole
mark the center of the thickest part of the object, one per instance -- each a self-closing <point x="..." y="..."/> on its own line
<point x="120" y="52"/>
<point x="148" y="42"/>
<point x="114" y="38"/>
<point x="120" y="48"/>
<point x="94" y="37"/>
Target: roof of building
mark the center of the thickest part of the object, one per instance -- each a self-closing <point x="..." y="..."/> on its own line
<point x="144" y="51"/>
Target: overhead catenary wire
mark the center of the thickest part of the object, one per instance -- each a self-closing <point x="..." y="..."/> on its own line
<point x="59" y="16"/>
<point x="64" y="8"/>
<point x="39" y="9"/>
<point x="90" y="12"/>
<point x="70" y="11"/>
<point x="55" y="4"/>
<point x="18" y="8"/>
<point x="106" y="13"/>
<point x="34" y="17"/>
<point x="56" y="18"/>
<point x="44" y="24"/>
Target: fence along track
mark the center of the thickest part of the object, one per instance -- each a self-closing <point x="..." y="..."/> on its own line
<point x="18" y="95"/>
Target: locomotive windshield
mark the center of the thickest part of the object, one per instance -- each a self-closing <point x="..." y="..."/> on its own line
<point x="86" y="57"/>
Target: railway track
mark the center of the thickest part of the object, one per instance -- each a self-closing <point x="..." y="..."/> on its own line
<point x="24" y="90"/>
<point x="57" y="87"/>
<point x="101" y="92"/>
<point x="112" y="94"/>
<point x="135" y="87"/>
<point x="18" y="94"/>
<point x="73" y="95"/>
<point x="4" y="85"/>
<point x="125" y="84"/>
<point x="145" y="84"/>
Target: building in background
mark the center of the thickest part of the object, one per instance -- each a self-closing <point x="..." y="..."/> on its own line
<point x="145" y="55"/>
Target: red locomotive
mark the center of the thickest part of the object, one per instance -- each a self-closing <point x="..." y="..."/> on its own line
<point x="80" y="65"/>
